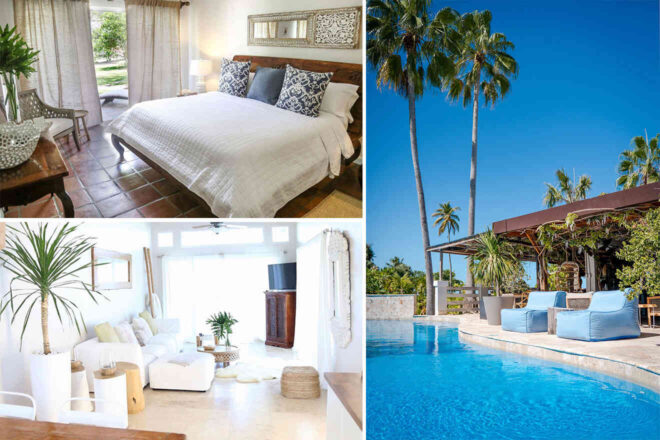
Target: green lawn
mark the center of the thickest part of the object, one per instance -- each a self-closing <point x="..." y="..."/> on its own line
<point x="112" y="75"/>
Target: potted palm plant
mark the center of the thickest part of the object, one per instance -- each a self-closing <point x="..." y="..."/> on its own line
<point x="45" y="264"/>
<point x="221" y="324"/>
<point x="492" y="262"/>
<point x="16" y="58"/>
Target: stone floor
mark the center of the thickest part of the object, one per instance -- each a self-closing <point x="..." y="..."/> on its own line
<point x="101" y="186"/>
<point x="637" y="360"/>
<point x="232" y="410"/>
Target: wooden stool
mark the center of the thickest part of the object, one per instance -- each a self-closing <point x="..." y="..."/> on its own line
<point x="81" y="115"/>
<point x="134" y="390"/>
<point x="300" y="383"/>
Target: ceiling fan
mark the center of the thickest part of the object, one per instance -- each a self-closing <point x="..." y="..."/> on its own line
<point x="219" y="226"/>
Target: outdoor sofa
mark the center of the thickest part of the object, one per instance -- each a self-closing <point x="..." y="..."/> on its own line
<point x="533" y="317"/>
<point x="611" y="315"/>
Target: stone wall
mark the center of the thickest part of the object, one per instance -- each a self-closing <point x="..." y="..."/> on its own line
<point x="390" y="306"/>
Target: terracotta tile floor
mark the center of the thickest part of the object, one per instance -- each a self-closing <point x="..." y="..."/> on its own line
<point x="100" y="186"/>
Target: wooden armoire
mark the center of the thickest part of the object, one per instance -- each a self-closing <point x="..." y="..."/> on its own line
<point x="280" y="318"/>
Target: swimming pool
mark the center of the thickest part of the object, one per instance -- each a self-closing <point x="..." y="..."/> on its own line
<point x="423" y="383"/>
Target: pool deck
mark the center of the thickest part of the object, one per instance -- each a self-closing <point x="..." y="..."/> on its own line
<point x="635" y="360"/>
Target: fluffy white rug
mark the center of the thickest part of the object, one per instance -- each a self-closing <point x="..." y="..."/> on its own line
<point x="248" y="373"/>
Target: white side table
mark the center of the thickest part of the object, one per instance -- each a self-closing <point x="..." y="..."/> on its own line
<point x="80" y="388"/>
<point x="112" y="391"/>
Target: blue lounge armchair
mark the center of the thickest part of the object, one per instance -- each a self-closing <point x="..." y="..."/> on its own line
<point x="610" y="316"/>
<point x="533" y="317"/>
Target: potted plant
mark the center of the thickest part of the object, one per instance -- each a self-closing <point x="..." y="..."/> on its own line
<point x="16" y="58"/>
<point x="45" y="264"/>
<point x="221" y="324"/>
<point x="491" y="263"/>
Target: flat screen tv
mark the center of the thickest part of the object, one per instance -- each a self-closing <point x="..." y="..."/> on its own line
<point x="282" y="276"/>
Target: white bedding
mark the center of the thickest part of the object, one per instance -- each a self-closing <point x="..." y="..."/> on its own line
<point x="243" y="157"/>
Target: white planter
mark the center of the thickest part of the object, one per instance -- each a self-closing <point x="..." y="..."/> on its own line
<point x="50" y="376"/>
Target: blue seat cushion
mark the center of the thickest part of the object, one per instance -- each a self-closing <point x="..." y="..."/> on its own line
<point x="267" y="85"/>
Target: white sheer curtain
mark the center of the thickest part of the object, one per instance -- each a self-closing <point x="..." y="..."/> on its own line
<point x="196" y="286"/>
<point x="152" y="31"/>
<point x="313" y="343"/>
<point x="61" y="31"/>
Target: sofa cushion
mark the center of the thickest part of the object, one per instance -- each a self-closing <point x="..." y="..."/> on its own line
<point x="166" y="340"/>
<point x="150" y="320"/>
<point x="106" y="333"/>
<point x="125" y="333"/>
<point x="142" y="331"/>
<point x="154" y="349"/>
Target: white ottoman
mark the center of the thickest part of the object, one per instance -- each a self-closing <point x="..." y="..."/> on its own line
<point x="184" y="371"/>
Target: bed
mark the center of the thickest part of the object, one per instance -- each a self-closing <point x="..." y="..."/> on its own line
<point x="241" y="157"/>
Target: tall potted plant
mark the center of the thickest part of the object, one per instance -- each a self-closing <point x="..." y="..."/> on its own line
<point x="491" y="263"/>
<point x="221" y="324"/>
<point x="16" y="58"/>
<point x="45" y="264"/>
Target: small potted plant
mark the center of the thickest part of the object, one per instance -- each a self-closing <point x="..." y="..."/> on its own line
<point x="491" y="263"/>
<point x="221" y="324"/>
<point x="16" y="58"/>
<point x="45" y="264"/>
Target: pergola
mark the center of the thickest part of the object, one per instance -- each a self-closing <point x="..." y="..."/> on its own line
<point x="594" y="217"/>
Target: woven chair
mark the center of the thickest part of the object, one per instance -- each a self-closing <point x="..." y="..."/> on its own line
<point x="64" y="120"/>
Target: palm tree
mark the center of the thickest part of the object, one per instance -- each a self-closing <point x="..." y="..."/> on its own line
<point x="483" y="68"/>
<point x="493" y="260"/>
<point x="568" y="191"/>
<point x="447" y="220"/>
<point x="640" y="163"/>
<point x="408" y="48"/>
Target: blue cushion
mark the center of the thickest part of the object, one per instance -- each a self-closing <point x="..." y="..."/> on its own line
<point x="302" y="91"/>
<point x="234" y="77"/>
<point x="267" y="85"/>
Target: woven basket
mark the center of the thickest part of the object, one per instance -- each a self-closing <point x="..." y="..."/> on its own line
<point x="300" y="383"/>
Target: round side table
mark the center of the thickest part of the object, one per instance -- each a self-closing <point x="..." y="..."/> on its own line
<point x="134" y="391"/>
<point x="223" y="354"/>
<point x="81" y="115"/>
<point x="111" y="391"/>
<point x="80" y="388"/>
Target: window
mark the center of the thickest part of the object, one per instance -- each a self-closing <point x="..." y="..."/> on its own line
<point x="280" y="234"/>
<point x="224" y="236"/>
<point x="165" y="239"/>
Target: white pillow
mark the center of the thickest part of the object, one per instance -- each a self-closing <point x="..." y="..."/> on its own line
<point x="250" y="80"/>
<point x="125" y="333"/>
<point x="142" y="331"/>
<point x="339" y="99"/>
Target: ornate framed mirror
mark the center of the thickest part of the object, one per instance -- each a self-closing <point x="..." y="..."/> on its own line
<point x="339" y="286"/>
<point x="337" y="28"/>
<point x="111" y="270"/>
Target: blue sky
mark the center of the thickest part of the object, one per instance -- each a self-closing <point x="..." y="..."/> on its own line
<point x="589" y="82"/>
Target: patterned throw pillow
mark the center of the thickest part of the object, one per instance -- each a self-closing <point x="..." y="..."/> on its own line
<point x="234" y="77"/>
<point x="302" y="91"/>
<point x="142" y="331"/>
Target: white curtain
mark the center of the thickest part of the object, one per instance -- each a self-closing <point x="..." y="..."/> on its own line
<point x="196" y="286"/>
<point x="152" y="31"/>
<point x="61" y="31"/>
<point x="314" y="343"/>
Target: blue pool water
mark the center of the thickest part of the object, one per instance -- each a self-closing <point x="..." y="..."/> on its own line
<point x="423" y="383"/>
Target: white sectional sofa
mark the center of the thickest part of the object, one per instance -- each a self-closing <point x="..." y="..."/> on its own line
<point x="165" y="342"/>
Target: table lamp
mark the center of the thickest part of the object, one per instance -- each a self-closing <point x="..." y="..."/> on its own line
<point x="200" y="68"/>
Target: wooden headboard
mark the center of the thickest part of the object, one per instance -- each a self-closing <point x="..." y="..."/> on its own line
<point x="342" y="73"/>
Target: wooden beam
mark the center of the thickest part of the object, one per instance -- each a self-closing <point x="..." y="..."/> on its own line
<point x="150" y="279"/>
<point x="530" y="235"/>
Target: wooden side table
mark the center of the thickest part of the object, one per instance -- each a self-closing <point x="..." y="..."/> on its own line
<point x="552" y="318"/>
<point x="80" y="115"/>
<point x="41" y="175"/>
<point x="649" y="313"/>
<point x="134" y="390"/>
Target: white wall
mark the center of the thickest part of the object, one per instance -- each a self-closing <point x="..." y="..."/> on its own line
<point x="123" y="305"/>
<point x="348" y="359"/>
<point x="220" y="30"/>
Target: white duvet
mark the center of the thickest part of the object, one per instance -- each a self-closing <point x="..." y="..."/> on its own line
<point x="243" y="157"/>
